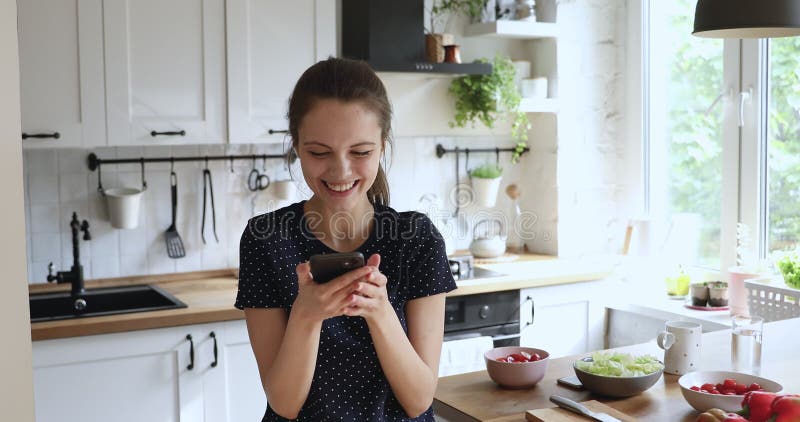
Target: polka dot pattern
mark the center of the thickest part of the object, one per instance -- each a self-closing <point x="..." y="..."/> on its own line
<point x="348" y="383"/>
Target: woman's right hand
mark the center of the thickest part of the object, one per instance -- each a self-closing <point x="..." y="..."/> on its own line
<point x="322" y="301"/>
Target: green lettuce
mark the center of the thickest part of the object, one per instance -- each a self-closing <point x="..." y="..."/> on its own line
<point x="620" y="365"/>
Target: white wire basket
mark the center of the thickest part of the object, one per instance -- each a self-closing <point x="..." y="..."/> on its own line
<point x="772" y="299"/>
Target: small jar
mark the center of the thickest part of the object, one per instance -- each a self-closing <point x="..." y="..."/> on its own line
<point x="526" y="10"/>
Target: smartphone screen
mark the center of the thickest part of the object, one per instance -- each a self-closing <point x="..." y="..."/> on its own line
<point x="326" y="267"/>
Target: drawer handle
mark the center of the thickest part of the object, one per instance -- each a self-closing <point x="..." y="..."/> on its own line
<point x="214" y="336"/>
<point x="273" y="131"/>
<point x="169" y="133"/>
<point x="191" y="352"/>
<point x="533" y="310"/>
<point x="54" y="135"/>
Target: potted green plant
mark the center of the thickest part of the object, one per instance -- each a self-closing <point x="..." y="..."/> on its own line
<point x="440" y="12"/>
<point x="485" y="98"/>
<point x="485" y="182"/>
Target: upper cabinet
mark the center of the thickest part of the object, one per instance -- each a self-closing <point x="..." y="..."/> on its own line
<point x="165" y="71"/>
<point x="62" y="93"/>
<point x="270" y="44"/>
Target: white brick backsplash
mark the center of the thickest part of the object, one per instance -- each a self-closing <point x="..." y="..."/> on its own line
<point x="136" y="264"/>
<point x="160" y="263"/>
<point x="74" y="187"/>
<point x="45" y="217"/>
<point x="106" y="267"/>
<point x="46" y="247"/>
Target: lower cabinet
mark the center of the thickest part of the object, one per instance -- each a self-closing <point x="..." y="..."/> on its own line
<point x="567" y="319"/>
<point x="200" y="372"/>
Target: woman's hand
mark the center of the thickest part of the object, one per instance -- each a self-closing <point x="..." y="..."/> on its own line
<point x="322" y="301"/>
<point x="371" y="298"/>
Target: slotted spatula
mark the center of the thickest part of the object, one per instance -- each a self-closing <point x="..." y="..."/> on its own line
<point x="174" y="242"/>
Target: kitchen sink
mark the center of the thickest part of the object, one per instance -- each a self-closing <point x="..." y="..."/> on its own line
<point x="102" y="301"/>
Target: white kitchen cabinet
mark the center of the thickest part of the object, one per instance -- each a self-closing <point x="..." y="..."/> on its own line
<point x="165" y="71"/>
<point x="568" y="318"/>
<point x="144" y="376"/>
<point x="244" y="396"/>
<point x="61" y="72"/>
<point x="270" y="44"/>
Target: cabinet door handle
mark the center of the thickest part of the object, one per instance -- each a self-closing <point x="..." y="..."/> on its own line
<point x="169" y="133"/>
<point x="54" y="135"/>
<point x="214" y="336"/>
<point x="273" y="131"/>
<point x="533" y="310"/>
<point x="191" y="352"/>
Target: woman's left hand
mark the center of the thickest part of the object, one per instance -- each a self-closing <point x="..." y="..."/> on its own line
<point x="371" y="297"/>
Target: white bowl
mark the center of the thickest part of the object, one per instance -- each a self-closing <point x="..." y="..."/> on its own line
<point x="704" y="401"/>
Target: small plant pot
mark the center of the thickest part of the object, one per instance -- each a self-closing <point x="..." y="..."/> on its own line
<point x="485" y="190"/>
<point x="718" y="294"/>
<point x="700" y="294"/>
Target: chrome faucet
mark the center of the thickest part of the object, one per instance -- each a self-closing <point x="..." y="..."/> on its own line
<point x="74" y="275"/>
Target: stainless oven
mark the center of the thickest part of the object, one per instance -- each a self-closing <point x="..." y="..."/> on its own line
<point x="494" y="314"/>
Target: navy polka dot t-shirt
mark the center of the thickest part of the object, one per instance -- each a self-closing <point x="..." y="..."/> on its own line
<point x="348" y="383"/>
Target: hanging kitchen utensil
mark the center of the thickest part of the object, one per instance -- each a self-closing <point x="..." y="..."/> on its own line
<point x="256" y="180"/>
<point x="175" y="247"/>
<point x="208" y="189"/>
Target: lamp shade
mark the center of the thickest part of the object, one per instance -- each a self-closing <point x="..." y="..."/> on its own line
<point x="747" y="18"/>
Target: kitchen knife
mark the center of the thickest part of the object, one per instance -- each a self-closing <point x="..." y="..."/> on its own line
<point x="580" y="409"/>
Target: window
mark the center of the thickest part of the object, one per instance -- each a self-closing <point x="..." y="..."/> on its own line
<point x="783" y="144"/>
<point x="722" y="138"/>
<point x="686" y="87"/>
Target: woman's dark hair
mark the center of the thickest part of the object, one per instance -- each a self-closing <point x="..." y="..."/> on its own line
<point x="344" y="80"/>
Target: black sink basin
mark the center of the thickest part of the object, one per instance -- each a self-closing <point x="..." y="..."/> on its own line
<point x="104" y="301"/>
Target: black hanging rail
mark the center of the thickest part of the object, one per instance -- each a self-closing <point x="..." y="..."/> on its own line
<point x="94" y="161"/>
<point x="441" y="150"/>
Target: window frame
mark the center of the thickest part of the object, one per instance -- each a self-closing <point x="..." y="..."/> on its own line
<point x="744" y="172"/>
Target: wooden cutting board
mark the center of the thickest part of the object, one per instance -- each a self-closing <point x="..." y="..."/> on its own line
<point x="557" y="414"/>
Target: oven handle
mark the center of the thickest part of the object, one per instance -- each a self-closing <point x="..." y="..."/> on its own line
<point x="475" y="335"/>
<point x="506" y="336"/>
<point x="533" y="311"/>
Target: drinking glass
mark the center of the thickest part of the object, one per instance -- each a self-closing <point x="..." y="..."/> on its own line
<point x="746" y="344"/>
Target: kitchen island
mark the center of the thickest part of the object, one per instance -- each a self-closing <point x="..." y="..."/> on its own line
<point x="474" y="397"/>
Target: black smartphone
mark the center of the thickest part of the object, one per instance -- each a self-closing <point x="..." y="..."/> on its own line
<point x="571" y="382"/>
<point x="326" y="267"/>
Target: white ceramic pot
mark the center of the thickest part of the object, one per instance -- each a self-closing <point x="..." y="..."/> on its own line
<point x="485" y="190"/>
<point x="123" y="207"/>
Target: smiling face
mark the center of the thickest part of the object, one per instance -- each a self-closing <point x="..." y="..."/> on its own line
<point x="340" y="148"/>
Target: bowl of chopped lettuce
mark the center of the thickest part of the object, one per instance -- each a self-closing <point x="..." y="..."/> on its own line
<point x="618" y="374"/>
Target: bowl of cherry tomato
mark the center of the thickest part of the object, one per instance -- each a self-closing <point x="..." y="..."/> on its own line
<point x="724" y="390"/>
<point x="516" y="366"/>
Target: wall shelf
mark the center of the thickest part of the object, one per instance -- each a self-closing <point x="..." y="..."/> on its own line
<point x="539" y="105"/>
<point x="512" y="29"/>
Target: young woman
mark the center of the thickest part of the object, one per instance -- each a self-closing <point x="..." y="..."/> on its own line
<point x="364" y="346"/>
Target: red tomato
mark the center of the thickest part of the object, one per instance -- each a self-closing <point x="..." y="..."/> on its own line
<point x="740" y="389"/>
<point x="707" y="386"/>
<point x="754" y="387"/>
<point x="694" y="388"/>
<point x="729" y="383"/>
<point x="518" y="357"/>
<point x="535" y="356"/>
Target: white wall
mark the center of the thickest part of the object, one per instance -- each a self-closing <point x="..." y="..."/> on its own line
<point x="16" y="383"/>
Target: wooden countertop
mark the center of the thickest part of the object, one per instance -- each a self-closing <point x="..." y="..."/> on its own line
<point x="474" y="397"/>
<point x="209" y="295"/>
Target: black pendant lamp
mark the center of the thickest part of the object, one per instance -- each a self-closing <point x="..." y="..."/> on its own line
<point x="747" y="18"/>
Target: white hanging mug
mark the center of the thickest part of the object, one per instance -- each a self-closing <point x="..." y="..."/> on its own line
<point x="681" y="342"/>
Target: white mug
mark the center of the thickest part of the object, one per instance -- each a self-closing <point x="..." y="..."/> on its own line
<point x="681" y="341"/>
